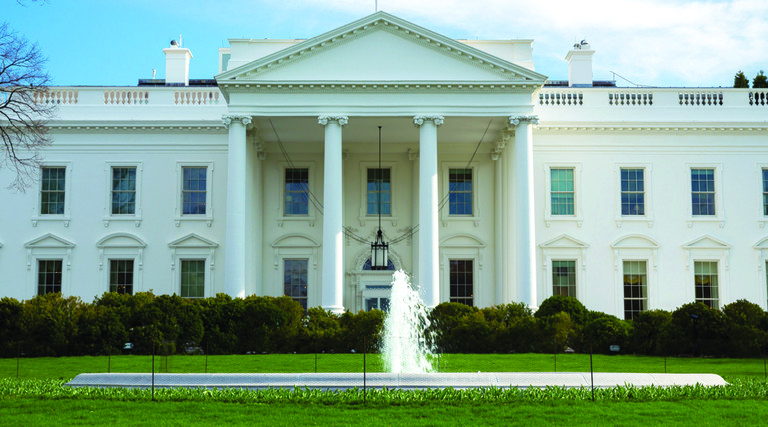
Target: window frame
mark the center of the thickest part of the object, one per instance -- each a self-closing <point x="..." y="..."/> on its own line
<point x="37" y="274"/>
<point x="282" y="217"/>
<point x="307" y="272"/>
<point x="47" y="247"/>
<point x="762" y="217"/>
<point x="364" y="216"/>
<point x="445" y="215"/>
<point x="708" y="249"/>
<point x="575" y="276"/>
<point x="133" y="274"/>
<point x="473" y="285"/>
<point x="719" y="299"/>
<point x="648" y="217"/>
<point x="180" y="216"/>
<point x="636" y="247"/>
<point x="295" y="246"/>
<point x="719" y="216"/>
<point x="206" y="274"/>
<point x="136" y="217"/>
<point x="563" y="248"/>
<point x="193" y="247"/>
<point x="577" y="216"/>
<point x="64" y="218"/>
<point x="121" y="246"/>
<point x="623" y="274"/>
<point x="762" y="269"/>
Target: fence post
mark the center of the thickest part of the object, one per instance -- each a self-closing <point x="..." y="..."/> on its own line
<point x="554" y="353"/>
<point x="591" y="370"/>
<point x="765" y="368"/>
<point x="315" y="355"/>
<point x="18" y="357"/>
<point x="364" y="372"/>
<point x="109" y="362"/>
<point x="206" y="357"/>
<point x="153" y="370"/>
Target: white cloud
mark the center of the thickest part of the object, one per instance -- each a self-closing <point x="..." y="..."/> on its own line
<point x="666" y="43"/>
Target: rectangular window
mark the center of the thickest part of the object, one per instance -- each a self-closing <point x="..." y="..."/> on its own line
<point x="121" y="276"/>
<point x="462" y="281"/>
<point x="765" y="192"/>
<point x="635" y="288"/>
<point x="706" y="282"/>
<point x="703" y="191"/>
<point x="564" y="278"/>
<point x="295" y="280"/>
<point x="632" y="191"/>
<point x="52" y="190"/>
<point x="193" y="190"/>
<point x="123" y="191"/>
<point x="192" y="278"/>
<point x="297" y="191"/>
<point x="460" y="191"/>
<point x="379" y="191"/>
<point x="562" y="191"/>
<point x="48" y="276"/>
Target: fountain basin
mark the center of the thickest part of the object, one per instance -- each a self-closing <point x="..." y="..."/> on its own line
<point x="344" y="381"/>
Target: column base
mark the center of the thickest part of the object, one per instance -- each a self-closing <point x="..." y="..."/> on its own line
<point x="335" y="309"/>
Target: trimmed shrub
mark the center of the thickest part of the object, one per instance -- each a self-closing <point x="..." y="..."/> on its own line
<point x="601" y="331"/>
<point x="704" y="334"/>
<point x="646" y="332"/>
<point x="558" y="303"/>
<point x="11" y="313"/>
<point x="743" y="322"/>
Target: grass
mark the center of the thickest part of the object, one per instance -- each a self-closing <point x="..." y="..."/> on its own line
<point x="69" y="367"/>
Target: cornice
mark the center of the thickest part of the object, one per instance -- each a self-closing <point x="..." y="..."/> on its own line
<point x="392" y="24"/>
<point x="264" y="86"/>
<point x="198" y="126"/>
<point x="627" y="128"/>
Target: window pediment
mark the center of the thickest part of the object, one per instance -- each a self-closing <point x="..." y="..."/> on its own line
<point x="564" y="241"/>
<point x="706" y="242"/>
<point x="635" y="241"/>
<point x="295" y="241"/>
<point x="462" y="241"/>
<point x="121" y="240"/>
<point x="193" y="240"/>
<point x="49" y="240"/>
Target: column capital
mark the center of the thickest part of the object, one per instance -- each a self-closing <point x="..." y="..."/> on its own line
<point x="421" y="118"/>
<point x="338" y="118"/>
<point x="229" y="118"/>
<point x="516" y="120"/>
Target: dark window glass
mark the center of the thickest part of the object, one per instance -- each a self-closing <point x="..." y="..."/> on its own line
<point x="124" y="191"/>
<point x="121" y="276"/>
<point x="48" y="276"/>
<point x="564" y="278"/>
<point x="193" y="192"/>
<point x="562" y="192"/>
<point x="379" y="191"/>
<point x="52" y="190"/>
<point x="703" y="191"/>
<point x="192" y="278"/>
<point x="632" y="192"/>
<point x="297" y="191"/>
<point x="635" y="288"/>
<point x="462" y="281"/>
<point x="705" y="282"/>
<point x="295" y="280"/>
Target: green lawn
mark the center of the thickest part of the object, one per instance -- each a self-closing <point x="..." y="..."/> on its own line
<point x="68" y="367"/>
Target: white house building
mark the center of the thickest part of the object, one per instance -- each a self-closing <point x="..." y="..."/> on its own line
<point x="495" y="185"/>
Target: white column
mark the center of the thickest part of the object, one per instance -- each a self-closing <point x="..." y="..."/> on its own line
<point x="524" y="225"/>
<point x="333" y="233"/>
<point x="498" y="226"/>
<point x="237" y="194"/>
<point x="413" y="156"/>
<point x="429" y="244"/>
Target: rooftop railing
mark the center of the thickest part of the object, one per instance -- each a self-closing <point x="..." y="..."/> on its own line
<point x="652" y="97"/>
<point x="129" y="96"/>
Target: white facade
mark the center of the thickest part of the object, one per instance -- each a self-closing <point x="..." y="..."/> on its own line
<point x="313" y="107"/>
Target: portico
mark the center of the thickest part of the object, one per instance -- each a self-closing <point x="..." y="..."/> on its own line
<point x="316" y="105"/>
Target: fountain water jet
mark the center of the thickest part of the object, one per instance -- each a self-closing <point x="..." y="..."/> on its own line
<point x="405" y="348"/>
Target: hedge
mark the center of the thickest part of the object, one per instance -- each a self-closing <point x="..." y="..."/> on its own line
<point x="53" y="325"/>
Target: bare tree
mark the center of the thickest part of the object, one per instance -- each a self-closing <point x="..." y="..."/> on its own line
<point x="24" y="111"/>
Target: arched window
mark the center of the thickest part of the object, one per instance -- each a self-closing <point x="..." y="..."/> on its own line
<point x="367" y="265"/>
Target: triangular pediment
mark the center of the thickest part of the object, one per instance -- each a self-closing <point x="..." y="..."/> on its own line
<point x="462" y="241"/>
<point x="762" y="244"/>
<point x="380" y="48"/>
<point x="564" y="241"/>
<point x="706" y="242"/>
<point x="121" y="240"/>
<point x="635" y="241"/>
<point x="193" y="240"/>
<point x="49" y="241"/>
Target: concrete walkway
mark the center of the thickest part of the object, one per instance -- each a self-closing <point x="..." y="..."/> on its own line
<point x="343" y="381"/>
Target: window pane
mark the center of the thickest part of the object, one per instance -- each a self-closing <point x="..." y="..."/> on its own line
<point x="635" y="288"/>
<point x="295" y="280"/>
<point x="379" y="192"/>
<point x="562" y="191"/>
<point x="705" y="282"/>
<point x="460" y="191"/>
<point x="192" y="278"/>
<point x="462" y="281"/>
<point x="49" y="275"/>
<point x="193" y="190"/>
<point x="52" y="190"/>
<point x="564" y="278"/>
<point x="121" y="276"/>
<point x="703" y="191"/>
<point x="123" y="191"/>
<point x="632" y="191"/>
<point x="765" y="192"/>
<point x="296" y="191"/>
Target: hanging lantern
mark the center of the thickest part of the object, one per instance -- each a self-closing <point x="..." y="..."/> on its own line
<point x="379" y="253"/>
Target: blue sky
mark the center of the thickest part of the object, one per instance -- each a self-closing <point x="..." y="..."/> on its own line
<point x="650" y="42"/>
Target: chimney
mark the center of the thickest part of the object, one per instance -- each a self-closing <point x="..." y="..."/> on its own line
<point x="580" y="65"/>
<point x="177" y="65"/>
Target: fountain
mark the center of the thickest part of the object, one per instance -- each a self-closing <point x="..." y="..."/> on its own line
<point x="405" y="348"/>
